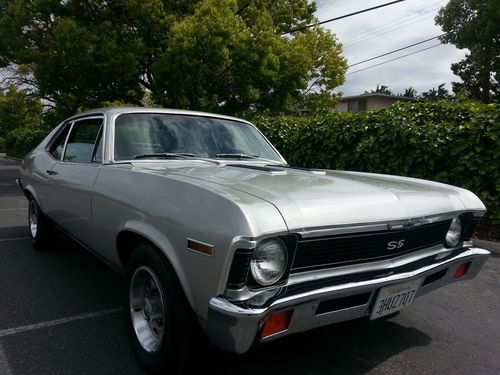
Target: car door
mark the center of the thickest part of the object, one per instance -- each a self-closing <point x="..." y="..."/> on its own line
<point x="38" y="167"/>
<point x="72" y="178"/>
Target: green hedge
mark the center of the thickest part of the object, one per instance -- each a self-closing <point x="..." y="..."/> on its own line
<point x="448" y="142"/>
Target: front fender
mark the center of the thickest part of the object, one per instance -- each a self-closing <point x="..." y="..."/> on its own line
<point x="161" y="241"/>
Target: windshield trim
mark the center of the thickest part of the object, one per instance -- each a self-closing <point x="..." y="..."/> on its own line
<point x="111" y="138"/>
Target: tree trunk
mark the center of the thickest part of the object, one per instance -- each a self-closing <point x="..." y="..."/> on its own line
<point x="485" y="79"/>
<point x="485" y="87"/>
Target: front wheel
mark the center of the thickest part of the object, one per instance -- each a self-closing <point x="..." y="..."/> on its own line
<point x="158" y="315"/>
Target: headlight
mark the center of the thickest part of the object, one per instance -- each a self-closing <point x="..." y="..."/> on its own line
<point x="269" y="261"/>
<point x="454" y="233"/>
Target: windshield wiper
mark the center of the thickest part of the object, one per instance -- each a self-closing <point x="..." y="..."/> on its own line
<point x="241" y="156"/>
<point x="166" y="155"/>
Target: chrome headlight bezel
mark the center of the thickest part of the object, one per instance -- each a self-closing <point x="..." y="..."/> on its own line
<point x="454" y="233"/>
<point x="269" y="251"/>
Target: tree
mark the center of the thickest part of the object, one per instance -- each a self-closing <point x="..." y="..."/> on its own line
<point x="218" y="55"/>
<point x="474" y="25"/>
<point x="382" y="89"/>
<point x="410" y="92"/>
<point x="441" y="93"/>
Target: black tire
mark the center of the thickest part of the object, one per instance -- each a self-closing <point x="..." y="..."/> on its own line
<point x="41" y="230"/>
<point x="178" y="323"/>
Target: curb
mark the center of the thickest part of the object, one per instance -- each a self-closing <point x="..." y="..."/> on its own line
<point x="488" y="245"/>
<point x="12" y="158"/>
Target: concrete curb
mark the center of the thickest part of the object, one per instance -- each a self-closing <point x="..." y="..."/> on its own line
<point x="488" y="245"/>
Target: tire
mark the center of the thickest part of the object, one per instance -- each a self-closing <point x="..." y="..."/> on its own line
<point x="155" y="303"/>
<point x="40" y="228"/>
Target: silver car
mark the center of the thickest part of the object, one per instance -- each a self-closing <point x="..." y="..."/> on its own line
<point x="213" y="229"/>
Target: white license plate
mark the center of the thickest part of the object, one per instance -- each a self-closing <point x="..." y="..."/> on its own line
<point x="393" y="298"/>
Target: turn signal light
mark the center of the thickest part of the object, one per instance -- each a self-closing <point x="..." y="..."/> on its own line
<point x="276" y="322"/>
<point x="462" y="270"/>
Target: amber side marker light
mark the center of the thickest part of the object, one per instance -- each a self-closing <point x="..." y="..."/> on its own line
<point x="276" y="322"/>
<point x="462" y="270"/>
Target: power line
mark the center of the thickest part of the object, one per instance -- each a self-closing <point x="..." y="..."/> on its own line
<point x="393" y="23"/>
<point x="396" y="58"/>
<point x="383" y="31"/>
<point x="394" y="51"/>
<point x="341" y="17"/>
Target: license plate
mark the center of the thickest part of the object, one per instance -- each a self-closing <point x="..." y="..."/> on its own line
<point x="393" y="298"/>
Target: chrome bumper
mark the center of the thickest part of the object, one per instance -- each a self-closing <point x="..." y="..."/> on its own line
<point x="236" y="329"/>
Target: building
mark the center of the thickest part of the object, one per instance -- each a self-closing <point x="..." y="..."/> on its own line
<point x="367" y="102"/>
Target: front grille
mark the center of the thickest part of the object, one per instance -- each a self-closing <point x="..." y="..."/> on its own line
<point x="323" y="252"/>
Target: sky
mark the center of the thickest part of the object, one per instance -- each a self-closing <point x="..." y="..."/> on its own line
<point x="382" y="30"/>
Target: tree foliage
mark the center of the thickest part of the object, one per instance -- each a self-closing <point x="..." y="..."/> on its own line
<point x="410" y="92"/>
<point x="18" y="109"/>
<point x="474" y="25"/>
<point x="439" y="93"/>
<point x="381" y="89"/>
<point x="225" y="56"/>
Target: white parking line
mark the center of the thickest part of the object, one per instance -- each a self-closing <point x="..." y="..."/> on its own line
<point x="4" y="365"/>
<point x="14" y="239"/>
<point x="13" y="209"/>
<point x="51" y="323"/>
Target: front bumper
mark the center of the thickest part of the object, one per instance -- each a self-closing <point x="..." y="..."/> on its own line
<point x="235" y="328"/>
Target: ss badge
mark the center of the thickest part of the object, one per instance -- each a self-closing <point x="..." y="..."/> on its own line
<point x="392" y="245"/>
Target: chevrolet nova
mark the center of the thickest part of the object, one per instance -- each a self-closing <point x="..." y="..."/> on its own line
<point x="211" y="227"/>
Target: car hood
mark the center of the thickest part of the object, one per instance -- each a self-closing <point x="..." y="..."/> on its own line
<point x="311" y="199"/>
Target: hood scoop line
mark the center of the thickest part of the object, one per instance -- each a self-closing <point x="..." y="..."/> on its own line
<point x="267" y="169"/>
<point x="302" y="169"/>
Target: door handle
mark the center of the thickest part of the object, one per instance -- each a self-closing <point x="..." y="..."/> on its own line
<point x="51" y="172"/>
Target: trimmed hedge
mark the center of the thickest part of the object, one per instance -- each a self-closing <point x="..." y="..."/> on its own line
<point x="442" y="141"/>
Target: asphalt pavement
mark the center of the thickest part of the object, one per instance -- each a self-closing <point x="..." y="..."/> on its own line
<point x="60" y="313"/>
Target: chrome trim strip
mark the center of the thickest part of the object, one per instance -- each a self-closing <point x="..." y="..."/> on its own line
<point x="63" y="153"/>
<point x="376" y="226"/>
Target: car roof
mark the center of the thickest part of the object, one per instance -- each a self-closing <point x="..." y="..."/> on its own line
<point x="112" y="111"/>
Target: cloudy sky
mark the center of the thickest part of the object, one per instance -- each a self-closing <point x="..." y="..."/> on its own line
<point x="379" y="31"/>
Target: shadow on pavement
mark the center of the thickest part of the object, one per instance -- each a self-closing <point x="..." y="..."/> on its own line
<point x="348" y="348"/>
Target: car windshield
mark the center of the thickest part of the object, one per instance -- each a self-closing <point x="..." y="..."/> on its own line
<point x="156" y="135"/>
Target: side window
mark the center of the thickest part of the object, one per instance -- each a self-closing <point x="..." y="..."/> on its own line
<point x="58" y="146"/>
<point x="81" y="140"/>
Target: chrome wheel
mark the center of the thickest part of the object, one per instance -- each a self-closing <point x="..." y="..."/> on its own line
<point x="33" y="219"/>
<point x="147" y="308"/>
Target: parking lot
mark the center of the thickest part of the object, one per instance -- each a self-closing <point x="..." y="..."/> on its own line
<point x="60" y="314"/>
